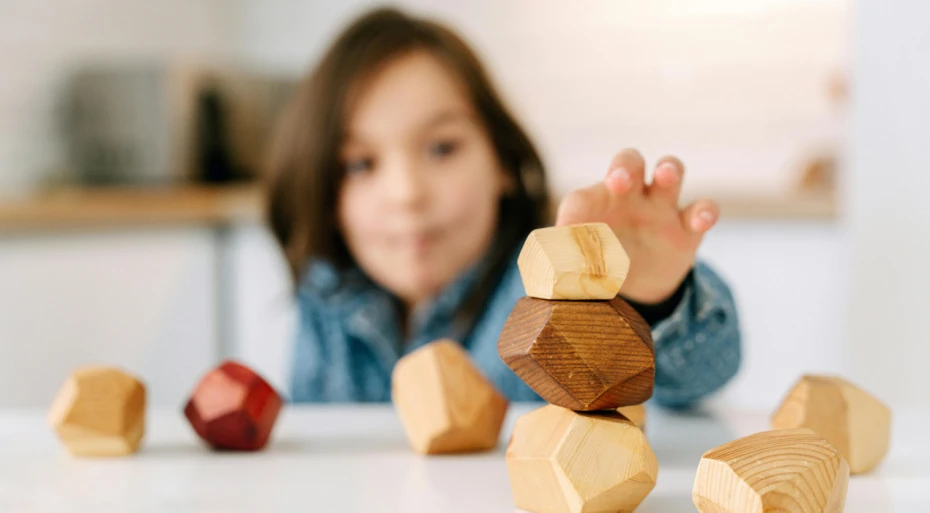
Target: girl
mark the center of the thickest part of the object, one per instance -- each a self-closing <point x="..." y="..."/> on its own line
<point x="402" y="190"/>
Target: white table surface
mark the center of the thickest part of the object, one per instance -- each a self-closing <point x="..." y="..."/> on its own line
<point x="348" y="459"/>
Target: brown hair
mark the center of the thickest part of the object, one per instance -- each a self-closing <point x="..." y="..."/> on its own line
<point x="305" y="170"/>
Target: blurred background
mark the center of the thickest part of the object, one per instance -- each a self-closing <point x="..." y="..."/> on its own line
<point x="131" y="134"/>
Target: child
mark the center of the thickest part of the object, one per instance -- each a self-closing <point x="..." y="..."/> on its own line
<point x="402" y="191"/>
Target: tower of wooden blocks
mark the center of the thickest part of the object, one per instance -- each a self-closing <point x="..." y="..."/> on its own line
<point x="855" y="422"/>
<point x="588" y="350"/>
<point x="233" y="408"/>
<point x="100" y="411"/>
<point x="582" y="348"/>
<point x="790" y="471"/>
<point x="562" y="461"/>
<point x="445" y="403"/>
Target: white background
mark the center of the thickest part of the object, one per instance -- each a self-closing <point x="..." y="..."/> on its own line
<point x="848" y="296"/>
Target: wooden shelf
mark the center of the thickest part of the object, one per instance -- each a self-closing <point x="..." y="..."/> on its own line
<point x="68" y="209"/>
<point x="796" y="207"/>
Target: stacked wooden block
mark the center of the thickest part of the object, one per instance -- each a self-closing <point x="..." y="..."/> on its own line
<point x="588" y="353"/>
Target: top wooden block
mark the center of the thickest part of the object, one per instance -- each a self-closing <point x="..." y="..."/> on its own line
<point x="577" y="262"/>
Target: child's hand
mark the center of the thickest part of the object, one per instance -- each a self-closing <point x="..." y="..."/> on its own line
<point x="660" y="238"/>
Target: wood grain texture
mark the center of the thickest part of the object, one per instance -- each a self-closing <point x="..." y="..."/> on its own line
<point x="233" y="408"/>
<point x="100" y="411"/>
<point x="444" y="402"/>
<point x="577" y="262"/>
<point x="855" y="422"/>
<point x="582" y="355"/>
<point x="560" y="461"/>
<point x="784" y="471"/>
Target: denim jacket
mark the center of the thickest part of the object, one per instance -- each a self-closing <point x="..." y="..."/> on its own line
<point x="349" y="338"/>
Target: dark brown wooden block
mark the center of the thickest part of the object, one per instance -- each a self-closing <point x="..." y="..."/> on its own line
<point x="581" y="355"/>
<point x="233" y="408"/>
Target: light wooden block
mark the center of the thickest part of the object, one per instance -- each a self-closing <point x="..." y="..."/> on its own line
<point x="560" y="461"/>
<point x="577" y="262"/>
<point x="855" y="422"/>
<point x="100" y="411"/>
<point x="233" y="408"/>
<point x="635" y="413"/>
<point x="788" y="471"/>
<point x="445" y="404"/>
<point x="582" y="355"/>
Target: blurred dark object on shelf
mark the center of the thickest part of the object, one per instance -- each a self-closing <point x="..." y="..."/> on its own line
<point x="165" y="124"/>
<point x="215" y="159"/>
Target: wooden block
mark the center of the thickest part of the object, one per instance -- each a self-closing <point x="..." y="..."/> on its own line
<point x="788" y="471"/>
<point x="233" y="408"/>
<point x="444" y="402"/>
<point x="635" y="413"/>
<point x="560" y="461"/>
<point x="855" y="422"/>
<point x="591" y="355"/>
<point x="577" y="262"/>
<point x="100" y="411"/>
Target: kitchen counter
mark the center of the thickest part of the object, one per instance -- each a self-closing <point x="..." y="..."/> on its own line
<point x="71" y="209"/>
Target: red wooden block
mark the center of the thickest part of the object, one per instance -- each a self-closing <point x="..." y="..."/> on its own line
<point x="233" y="408"/>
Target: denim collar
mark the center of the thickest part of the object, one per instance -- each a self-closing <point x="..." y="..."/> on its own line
<point x="371" y="313"/>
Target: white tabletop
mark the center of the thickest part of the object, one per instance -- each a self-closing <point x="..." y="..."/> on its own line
<point x="350" y="459"/>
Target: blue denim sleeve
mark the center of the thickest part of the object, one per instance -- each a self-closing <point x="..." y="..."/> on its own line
<point x="482" y="343"/>
<point x="698" y="346"/>
<point x="304" y="380"/>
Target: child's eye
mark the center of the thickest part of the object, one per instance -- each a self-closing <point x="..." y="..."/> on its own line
<point x="358" y="166"/>
<point x="441" y="149"/>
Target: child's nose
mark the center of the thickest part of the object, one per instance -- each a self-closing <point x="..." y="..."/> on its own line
<point x="405" y="184"/>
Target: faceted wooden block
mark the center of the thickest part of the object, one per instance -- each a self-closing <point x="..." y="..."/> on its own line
<point x="562" y="461"/>
<point x="233" y="408"/>
<point x="855" y="422"/>
<point x="444" y="402"/>
<point x="635" y="413"/>
<point x="582" y="261"/>
<point x="100" y="411"/>
<point x="582" y="355"/>
<point x="788" y="471"/>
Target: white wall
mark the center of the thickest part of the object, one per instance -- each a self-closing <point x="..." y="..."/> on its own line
<point x="738" y="89"/>
<point x="144" y="301"/>
<point x="889" y="213"/>
<point x="263" y="312"/>
<point x="789" y="279"/>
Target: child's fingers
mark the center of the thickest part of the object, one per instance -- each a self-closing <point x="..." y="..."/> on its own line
<point x="583" y="205"/>
<point x="700" y="216"/>
<point x="625" y="174"/>
<point x="666" y="182"/>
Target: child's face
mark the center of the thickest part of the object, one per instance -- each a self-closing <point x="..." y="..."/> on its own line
<point x="419" y="203"/>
